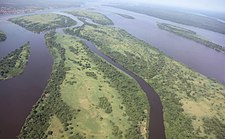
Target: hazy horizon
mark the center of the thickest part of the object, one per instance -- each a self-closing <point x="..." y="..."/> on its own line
<point x="206" y="5"/>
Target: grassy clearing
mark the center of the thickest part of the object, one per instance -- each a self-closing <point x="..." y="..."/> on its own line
<point x="86" y="98"/>
<point x="2" y="36"/>
<point x="190" y="35"/>
<point x="190" y="100"/>
<point x="94" y="16"/>
<point x="14" y="63"/>
<point x="43" y="22"/>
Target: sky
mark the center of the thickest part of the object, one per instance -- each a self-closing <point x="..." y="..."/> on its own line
<point x="209" y="5"/>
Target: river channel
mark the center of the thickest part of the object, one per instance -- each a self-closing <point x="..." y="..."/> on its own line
<point x="19" y="94"/>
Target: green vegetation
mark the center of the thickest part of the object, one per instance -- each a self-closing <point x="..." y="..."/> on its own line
<point x="43" y="22"/>
<point x="86" y="98"/>
<point x="94" y="16"/>
<point x="14" y="63"/>
<point x="190" y="35"/>
<point x="125" y="16"/>
<point x="105" y="104"/>
<point x="178" y="17"/>
<point x="2" y="36"/>
<point x="188" y="97"/>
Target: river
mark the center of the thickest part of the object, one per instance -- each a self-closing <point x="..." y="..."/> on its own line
<point x="194" y="55"/>
<point x="19" y="94"/>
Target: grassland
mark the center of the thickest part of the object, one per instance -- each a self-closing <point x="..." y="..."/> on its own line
<point x="94" y="16"/>
<point x="43" y="22"/>
<point x="181" y="17"/>
<point x="193" y="105"/>
<point x="125" y="16"/>
<point x="86" y="98"/>
<point x="14" y="63"/>
<point x="190" y="35"/>
<point x="2" y="36"/>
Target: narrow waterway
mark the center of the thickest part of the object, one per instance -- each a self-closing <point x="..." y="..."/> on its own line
<point x="19" y="94"/>
<point x="156" y="125"/>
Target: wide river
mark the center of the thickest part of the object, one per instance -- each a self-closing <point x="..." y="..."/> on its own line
<point x="18" y="95"/>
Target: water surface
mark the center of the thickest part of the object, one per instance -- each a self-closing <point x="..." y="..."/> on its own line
<point x="19" y="94"/>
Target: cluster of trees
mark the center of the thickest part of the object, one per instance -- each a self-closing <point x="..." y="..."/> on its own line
<point x="51" y="102"/>
<point x="91" y="74"/>
<point x="14" y="63"/>
<point x="105" y="104"/>
<point x="190" y="35"/>
<point x="60" y="21"/>
<point x="2" y="36"/>
<point x="116" y="131"/>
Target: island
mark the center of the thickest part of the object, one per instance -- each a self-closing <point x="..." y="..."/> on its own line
<point x="86" y="97"/>
<point x="94" y="16"/>
<point x="2" y="36"/>
<point x="192" y="103"/>
<point x="15" y="62"/>
<point x="125" y="16"/>
<point x="43" y="22"/>
<point x="189" y="34"/>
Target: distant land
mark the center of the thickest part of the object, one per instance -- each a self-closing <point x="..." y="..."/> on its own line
<point x="178" y="16"/>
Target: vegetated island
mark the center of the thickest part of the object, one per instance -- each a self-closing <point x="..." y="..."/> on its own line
<point x="94" y="16"/>
<point x="193" y="105"/>
<point x="43" y="22"/>
<point x="86" y="98"/>
<point x="177" y="16"/>
<point x="15" y="62"/>
<point x="125" y="16"/>
<point x="2" y="36"/>
<point x="189" y="34"/>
